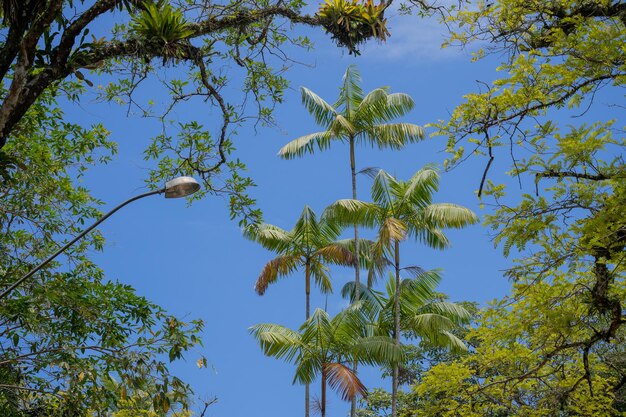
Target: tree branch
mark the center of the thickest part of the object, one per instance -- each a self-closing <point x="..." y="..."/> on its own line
<point x="27" y="86"/>
<point x="572" y="174"/>
<point x="63" y="50"/>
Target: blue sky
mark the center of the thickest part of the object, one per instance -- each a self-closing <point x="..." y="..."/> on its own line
<point x="193" y="261"/>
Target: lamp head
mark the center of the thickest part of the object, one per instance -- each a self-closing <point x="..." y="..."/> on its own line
<point x="181" y="187"/>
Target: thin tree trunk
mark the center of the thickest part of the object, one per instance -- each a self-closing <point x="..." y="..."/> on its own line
<point x="323" y="405"/>
<point x="357" y="266"/>
<point x="396" y="332"/>
<point x="307" y="276"/>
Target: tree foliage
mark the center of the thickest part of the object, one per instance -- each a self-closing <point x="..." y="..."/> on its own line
<point x="190" y="40"/>
<point x="555" y="345"/>
<point x="141" y="42"/>
<point x="527" y="360"/>
<point x="66" y="332"/>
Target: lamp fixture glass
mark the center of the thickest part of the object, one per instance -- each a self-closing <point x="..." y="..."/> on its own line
<point x="181" y="187"/>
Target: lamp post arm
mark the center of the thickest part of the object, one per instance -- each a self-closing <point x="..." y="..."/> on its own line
<point x="76" y="239"/>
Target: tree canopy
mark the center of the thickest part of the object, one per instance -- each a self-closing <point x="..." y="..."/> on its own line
<point x="554" y="346"/>
<point x="65" y="333"/>
<point x="74" y="342"/>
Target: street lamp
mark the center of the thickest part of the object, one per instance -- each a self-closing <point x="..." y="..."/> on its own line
<point x="176" y="188"/>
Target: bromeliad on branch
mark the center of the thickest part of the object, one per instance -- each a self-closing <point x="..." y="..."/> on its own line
<point x="351" y="22"/>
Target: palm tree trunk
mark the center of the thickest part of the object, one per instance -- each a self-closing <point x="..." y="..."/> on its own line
<point x="357" y="269"/>
<point x="323" y="405"/>
<point x="396" y="332"/>
<point x="307" y="276"/>
<point x="357" y="266"/>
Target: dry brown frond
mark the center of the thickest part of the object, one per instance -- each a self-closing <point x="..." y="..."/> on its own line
<point x="391" y="230"/>
<point x="277" y="267"/>
<point x="337" y="254"/>
<point x="344" y="381"/>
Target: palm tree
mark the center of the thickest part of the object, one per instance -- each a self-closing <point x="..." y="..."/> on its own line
<point x="310" y="245"/>
<point x="402" y="209"/>
<point x="422" y="311"/>
<point x="356" y="118"/>
<point x="327" y="347"/>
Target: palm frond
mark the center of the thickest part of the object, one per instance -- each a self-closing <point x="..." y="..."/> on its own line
<point x="350" y="94"/>
<point x="414" y="302"/>
<point x="370" y="258"/>
<point x="378" y="350"/>
<point x="413" y="271"/>
<point x="431" y="237"/>
<point x="419" y="189"/>
<point x="376" y="262"/>
<point x="321" y="275"/>
<point x="374" y="98"/>
<point x="453" y="311"/>
<point x="414" y="293"/>
<point x="276" y="268"/>
<point x="367" y="295"/>
<point x="382" y="193"/>
<point x="446" y="340"/>
<point x="394" y="135"/>
<point x="317" y="330"/>
<point x="269" y="236"/>
<point x="329" y="231"/>
<point x="341" y="126"/>
<point x="369" y="171"/>
<point x="336" y="254"/>
<point x="306" y="144"/>
<point x="446" y="215"/>
<point x="308" y="368"/>
<point x="316" y="405"/>
<point x="379" y="106"/>
<point x="344" y="381"/>
<point x="365" y="248"/>
<point x="322" y="112"/>
<point x="307" y="229"/>
<point x="391" y="230"/>
<point x="398" y="105"/>
<point x="423" y="282"/>
<point x="427" y="325"/>
<point x="350" y="324"/>
<point x="349" y="212"/>
<point x="277" y="341"/>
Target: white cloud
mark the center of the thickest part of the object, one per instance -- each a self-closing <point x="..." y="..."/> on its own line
<point x="413" y="38"/>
